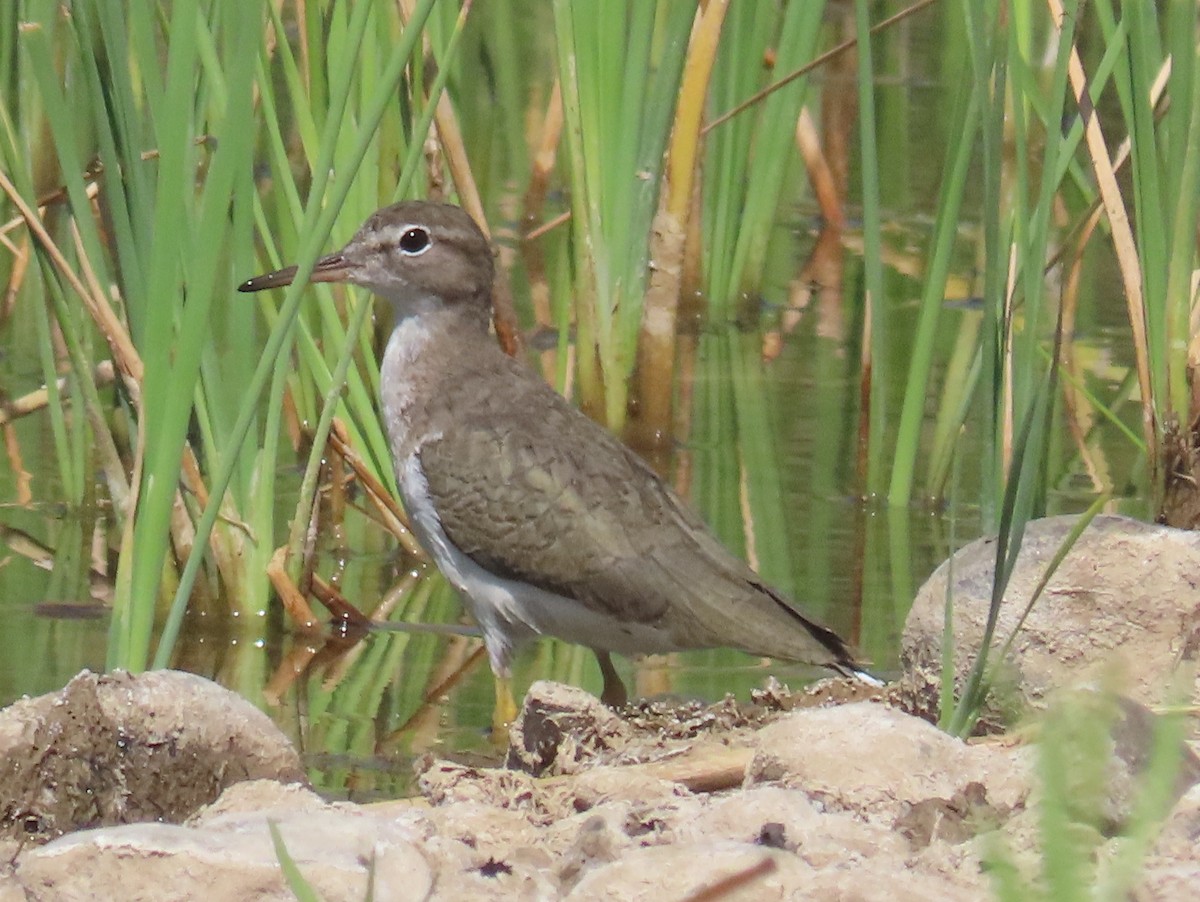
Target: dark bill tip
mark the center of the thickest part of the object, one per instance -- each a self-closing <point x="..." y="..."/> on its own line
<point x="276" y="279"/>
<point x="333" y="268"/>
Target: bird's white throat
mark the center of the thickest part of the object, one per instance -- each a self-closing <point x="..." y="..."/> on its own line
<point x="399" y="378"/>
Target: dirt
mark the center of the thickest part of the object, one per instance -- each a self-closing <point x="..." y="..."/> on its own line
<point x="831" y="792"/>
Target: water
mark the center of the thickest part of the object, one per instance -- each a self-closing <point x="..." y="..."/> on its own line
<point x="361" y="711"/>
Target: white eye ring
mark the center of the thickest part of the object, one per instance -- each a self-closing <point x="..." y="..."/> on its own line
<point x="415" y="241"/>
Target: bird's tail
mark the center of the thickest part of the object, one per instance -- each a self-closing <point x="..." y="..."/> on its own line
<point x="843" y="658"/>
<point x="858" y="673"/>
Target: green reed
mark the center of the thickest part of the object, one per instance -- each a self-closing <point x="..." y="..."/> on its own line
<point x="874" y="302"/>
<point x="747" y="159"/>
<point x="1037" y="159"/>
<point x="619" y="67"/>
<point x="171" y="107"/>
<point x="345" y="152"/>
<point x="167" y="243"/>
<point x="335" y="107"/>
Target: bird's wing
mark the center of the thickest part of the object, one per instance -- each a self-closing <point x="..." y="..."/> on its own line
<point x="561" y="504"/>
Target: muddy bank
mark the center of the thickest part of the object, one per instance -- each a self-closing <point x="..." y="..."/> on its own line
<point x="830" y="793"/>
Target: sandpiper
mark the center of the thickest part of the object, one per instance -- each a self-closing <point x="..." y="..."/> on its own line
<point x="541" y="519"/>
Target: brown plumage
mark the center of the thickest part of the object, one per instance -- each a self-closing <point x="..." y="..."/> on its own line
<point x="544" y="522"/>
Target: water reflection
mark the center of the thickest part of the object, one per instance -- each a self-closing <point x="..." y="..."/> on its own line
<point x="770" y="454"/>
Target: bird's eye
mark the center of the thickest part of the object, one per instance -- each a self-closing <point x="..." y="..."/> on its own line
<point x="414" y="241"/>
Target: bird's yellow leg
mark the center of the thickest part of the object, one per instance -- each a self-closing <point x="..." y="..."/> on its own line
<point x="505" y="711"/>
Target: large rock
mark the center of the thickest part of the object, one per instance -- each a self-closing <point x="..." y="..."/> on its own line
<point x="1127" y="595"/>
<point x="890" y="768"/>
<point x="227" y="853"/>
<point x="119" y="749"/>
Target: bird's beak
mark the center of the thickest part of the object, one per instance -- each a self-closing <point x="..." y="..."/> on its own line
<point x="333" y="268"/>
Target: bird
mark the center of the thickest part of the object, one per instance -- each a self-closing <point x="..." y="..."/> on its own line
<point x="543" y="521"/>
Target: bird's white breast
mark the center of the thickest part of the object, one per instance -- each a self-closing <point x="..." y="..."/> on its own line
<point x="399" y="376"/>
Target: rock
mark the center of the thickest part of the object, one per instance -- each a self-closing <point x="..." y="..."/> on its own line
<point x="1163" y="884"/>
<point x="120" y="749"/>
<point x="679" y="871"/>
<point x="547" y="800"/>
<point x="1109" y="741"/>
<point x="598" y="841"/>
<point x="10" y="887"/>
<point x="857" y="801"/>
<point x="736" y="872"/>
<point x="1177" y="839"/>
<point x="880" y="764"/>
<point x="228" y="853"/>
<point x="790" y="819"/>
<point x="560" y="728"/>
<point x="444" y="782"/>
<point x="1172" y="869"/>
<point x="1126" y="591"/>
<point x="601" y="784"/>
<point x="262" y="798"/>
